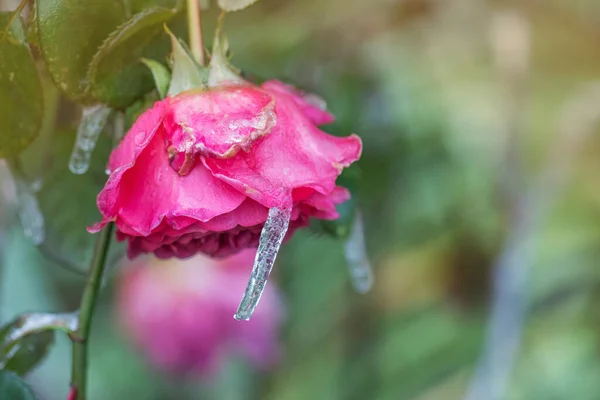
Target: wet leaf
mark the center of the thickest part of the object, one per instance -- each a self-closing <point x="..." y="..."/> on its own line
<point x="92" y="49"/>
<point x="70" y="33"/>
<point x="14" y="388"/>
<point x="235" y="5"/>
<point x="20" y="90"/>
<point x="116" y="75"/>
<point x="25" y="354"/>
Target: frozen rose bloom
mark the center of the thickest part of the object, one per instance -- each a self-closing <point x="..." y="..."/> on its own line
<point x="199" y="171"/>
<point x="179" y="313"/>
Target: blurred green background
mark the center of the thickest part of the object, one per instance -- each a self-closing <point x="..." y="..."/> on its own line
<point x="462" y="106"/>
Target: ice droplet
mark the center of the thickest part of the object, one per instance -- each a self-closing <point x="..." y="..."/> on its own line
<point x="355" y="251"/>
<point x="271" y="238"/>
<point x="92" y="123"/>
<point x="29" y="212"/>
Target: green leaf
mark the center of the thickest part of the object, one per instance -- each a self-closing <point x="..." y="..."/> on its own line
<point x="133" y="112"/>
<point x="340" y="228"/>
<point x="21" y="98"/>
<point x="186" y="74"/>
<point x="68" y="201"/>
<point x="14" y="388"/>
<point x="161" y="75"/>
<point x="70" y="33"/>
<point x="23" y="355"/>
<point x="235" y="5"/>
<point x="92" y="49"/>
<point x="115" y="74"/>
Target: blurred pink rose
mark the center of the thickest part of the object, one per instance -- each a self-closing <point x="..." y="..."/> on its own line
<point x="179" y="313"/>
<point x="198" y="171"/>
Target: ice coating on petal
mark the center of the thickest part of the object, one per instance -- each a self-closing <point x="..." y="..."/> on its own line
<point x="217" y="123"/>
<point x="361" y="273"/>
<point x="296" y="154"/>
<point x="92" y="123"/>
<point x="271" y="239"/>
<point x="313" y="106"/>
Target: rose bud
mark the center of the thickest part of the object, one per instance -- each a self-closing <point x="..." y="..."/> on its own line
<point x="179" y="316"/>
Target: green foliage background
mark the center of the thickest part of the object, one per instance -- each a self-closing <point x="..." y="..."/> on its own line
<point x="417" y="80"/>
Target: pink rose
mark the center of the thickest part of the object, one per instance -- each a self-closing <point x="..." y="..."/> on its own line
<point x="179" y="314"/>
<point x="199" y="171"/>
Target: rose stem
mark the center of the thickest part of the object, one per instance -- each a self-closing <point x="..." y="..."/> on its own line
<point x="195" y="30"/>
<point x="88" y="304"/>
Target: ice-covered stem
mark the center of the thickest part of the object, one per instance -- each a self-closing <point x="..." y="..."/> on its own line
<point x="361" y="273"/>
<point x="271" y="238"/>
<point x="195" y="30"/>
<point x="86" y="312"/>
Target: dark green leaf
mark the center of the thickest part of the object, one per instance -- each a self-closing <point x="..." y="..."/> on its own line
<point x="235" y="5"/>
<point x="92" y="49"/>
<point x="20" y="90"/>
<point x="70" y="33"/>
<point x="14" y="388"/>
<point x="25" y="354"/>
<point x="340" y="228"/>
<point x="116" y="75"/>
<point x="186" y="73"/>
<point x="138" y="108"/>
<point x="161" y="75"/>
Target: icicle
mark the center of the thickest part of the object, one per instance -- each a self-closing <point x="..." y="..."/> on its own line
<point x="271" y="238"/>
<point x="29" y="212"/>
<point x="92" y="123"/>
<point x="355" y="251"/>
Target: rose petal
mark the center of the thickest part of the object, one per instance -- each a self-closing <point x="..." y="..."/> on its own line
<point x="295" y="154"/>
<point x="218" y="123"/>
<point x="312" y="105"/>
<point x="153" y="191"/>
